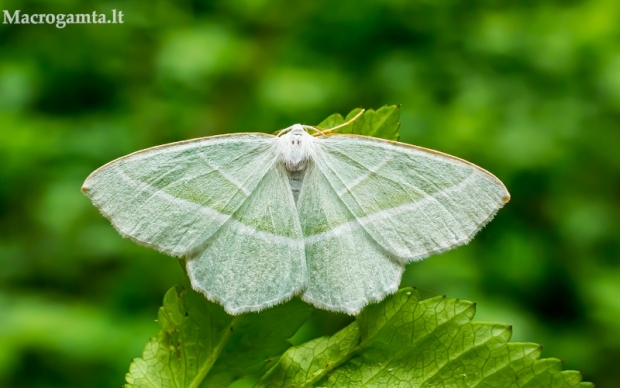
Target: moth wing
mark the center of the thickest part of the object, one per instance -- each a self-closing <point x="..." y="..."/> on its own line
<point x="174" y="197"/>
<point x="346" y="268"/>
<point x="413" y="201"/>
<point x="256" y="260"/>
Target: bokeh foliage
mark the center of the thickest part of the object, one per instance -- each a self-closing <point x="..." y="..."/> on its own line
<point x="529" y="90"/>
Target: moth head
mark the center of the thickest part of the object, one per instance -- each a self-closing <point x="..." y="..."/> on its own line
<point x="295" y="147"/>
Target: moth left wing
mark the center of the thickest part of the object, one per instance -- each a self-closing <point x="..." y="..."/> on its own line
<point x="413" y="201"/>
<point x="174" y="197"/>
<point x="256" y="260"/>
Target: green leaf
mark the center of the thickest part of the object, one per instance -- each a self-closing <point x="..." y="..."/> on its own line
<point x="199" y="345"/>
<point x="383" y="123"/>
<point x="433" y="343"/>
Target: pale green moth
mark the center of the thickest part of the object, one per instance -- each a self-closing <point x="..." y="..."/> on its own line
<point x="261" y="218"/>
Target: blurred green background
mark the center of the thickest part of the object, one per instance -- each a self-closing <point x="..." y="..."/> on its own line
<point x="529" y="90"/>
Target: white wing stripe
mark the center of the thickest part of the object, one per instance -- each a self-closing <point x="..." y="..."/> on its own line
<point x="236" y="183"/>
<point x="384" y="214"/>
<point x="363" y="177"/>
<point x="213" y="214"/>
<point x="266" y="236"/>
<point x="205" y="210"/>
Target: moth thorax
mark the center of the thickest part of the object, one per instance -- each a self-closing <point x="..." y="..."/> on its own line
<point x="295" y="148"/>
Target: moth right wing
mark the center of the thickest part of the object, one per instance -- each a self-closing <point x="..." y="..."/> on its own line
<point x="174" y="197"/>
<point x="413" y="201"/>
<point x="346" y="268"/>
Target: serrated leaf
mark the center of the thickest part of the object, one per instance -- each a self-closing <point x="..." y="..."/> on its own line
<point x="199" y="345"/>
<point x="383" y="123"/>
<point x="402" y="342"/>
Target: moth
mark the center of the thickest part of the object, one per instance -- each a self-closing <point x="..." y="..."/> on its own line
<point x="261" y="218"/>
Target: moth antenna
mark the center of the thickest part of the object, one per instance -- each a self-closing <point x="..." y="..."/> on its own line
<point x="280" y="132"/>
<point x="310" y="127"/>
<point x="341" y="125"/>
